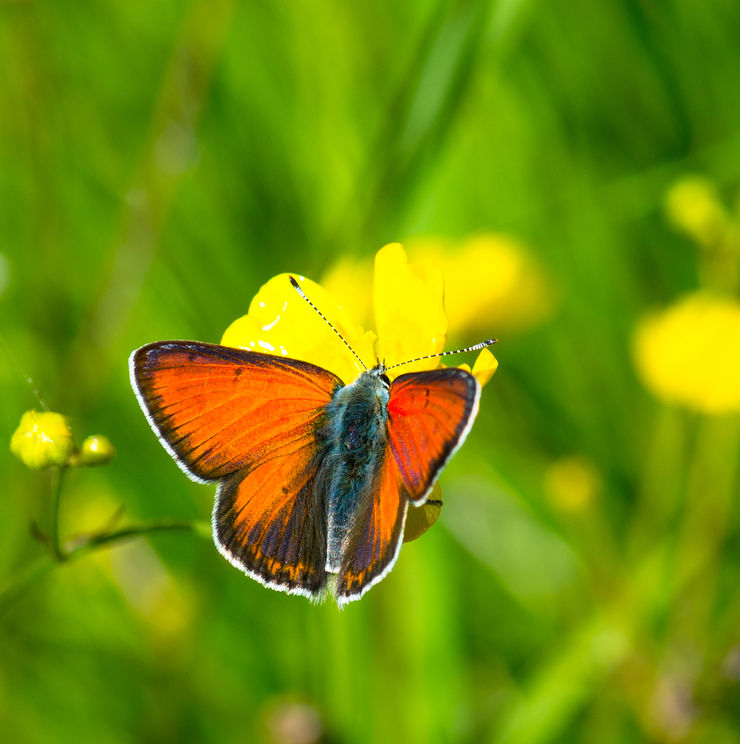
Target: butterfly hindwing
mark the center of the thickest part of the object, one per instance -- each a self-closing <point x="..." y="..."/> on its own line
<point x="252" y="422"/>
<point x="374" y="543"/>
<point x="271" y="523"/>
<point x="428" y="416"/>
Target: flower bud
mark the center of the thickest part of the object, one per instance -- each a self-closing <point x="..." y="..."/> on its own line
<point x="42" y="440"/>
<point x="95" y="450"/>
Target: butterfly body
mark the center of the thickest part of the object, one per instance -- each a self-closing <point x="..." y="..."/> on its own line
<point x="356" y="436"/>
<point x="314" y="476"/>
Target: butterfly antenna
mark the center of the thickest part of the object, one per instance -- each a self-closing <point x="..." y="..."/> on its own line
<point x="298" y="289"/>
<point x="477" y="347"/>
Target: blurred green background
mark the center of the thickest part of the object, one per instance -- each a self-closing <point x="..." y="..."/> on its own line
<point x="161" y="160"/>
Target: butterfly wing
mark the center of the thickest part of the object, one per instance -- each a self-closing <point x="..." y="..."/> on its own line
<point x="271" y="523"/>
<point x="429" y="415"/>
<point x="253" y="422"/>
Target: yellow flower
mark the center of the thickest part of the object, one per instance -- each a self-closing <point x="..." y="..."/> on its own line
<point x="489" y="281"/>
<point x="42" y="440"/>
<point x="690" y="353"/>
<point x="409" y="318"/>
<point x="693" y="206"/>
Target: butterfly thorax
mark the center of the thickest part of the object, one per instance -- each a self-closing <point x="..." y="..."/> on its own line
<point x="355" y="437"/>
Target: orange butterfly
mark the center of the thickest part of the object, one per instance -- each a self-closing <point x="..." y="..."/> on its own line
<point x="314" y="477"/>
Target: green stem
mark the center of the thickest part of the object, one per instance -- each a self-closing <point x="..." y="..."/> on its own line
<point x="87" y="544"/>
<point x="56" y="546"/>
<point x="90" y="543"/>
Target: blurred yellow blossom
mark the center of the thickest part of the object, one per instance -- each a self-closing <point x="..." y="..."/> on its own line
<point x="690" y="353"/>
<point x="489" y="280"/>
<point x="693" y="206"/>
<point x="409" y="318"/>
<point x="572" y="483"/>
<point x="42" y="440"/>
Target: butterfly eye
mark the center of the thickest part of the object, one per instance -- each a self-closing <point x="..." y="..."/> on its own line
<point x="384" y="379"/>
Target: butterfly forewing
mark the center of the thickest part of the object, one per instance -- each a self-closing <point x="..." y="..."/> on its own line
<point x="429" y="416"/>
<point x="218" y="410"/>
<point x="252" y="421"/>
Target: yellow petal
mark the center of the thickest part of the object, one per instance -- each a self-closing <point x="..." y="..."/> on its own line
<point x="409" y="310"/>
<point x="485" y="366"/>
<point x="281" y="322"/>
<point x="349" y="280"/>
<point x="420" y="518"/>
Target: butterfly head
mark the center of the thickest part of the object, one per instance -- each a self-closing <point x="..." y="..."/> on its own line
<point x="379" y="373"/>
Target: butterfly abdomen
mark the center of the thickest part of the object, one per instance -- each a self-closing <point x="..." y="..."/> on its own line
<point x="355" y="439"/>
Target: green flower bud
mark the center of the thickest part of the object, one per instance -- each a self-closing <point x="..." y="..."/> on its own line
<point x="95" y="450"/>
<point x="42" y="440"/>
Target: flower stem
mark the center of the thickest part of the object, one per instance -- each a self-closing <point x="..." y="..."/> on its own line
<point x="56" y="546"/>
<point x="88" y="544"/>
<point x="92" y="542"/>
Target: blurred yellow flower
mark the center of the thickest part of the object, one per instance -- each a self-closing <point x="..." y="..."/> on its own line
<point x="572" y="483"/>
<point x="690" y="353"/>
<point x="693" y="206"/>
<point x="42" y="440"/>
<point x="489" y="280"/>
<point x="409" y="318"/>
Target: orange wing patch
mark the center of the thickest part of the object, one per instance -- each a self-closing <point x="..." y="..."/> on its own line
<point x="254" y="422"/>
<point x="271" y="523"/>
<point x="218" y="410"/>
<point x="376" y="538"/>
<point x="429" y="415"/>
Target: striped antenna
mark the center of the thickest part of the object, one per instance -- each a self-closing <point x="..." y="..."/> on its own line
<point x="477" y="347"/>
<point x="298" y="289"/>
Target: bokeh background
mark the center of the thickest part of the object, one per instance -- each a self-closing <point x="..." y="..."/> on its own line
<point x="574" y="167"/>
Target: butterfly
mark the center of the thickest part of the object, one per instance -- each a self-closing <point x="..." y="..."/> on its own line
<point x="315" y="477"/>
